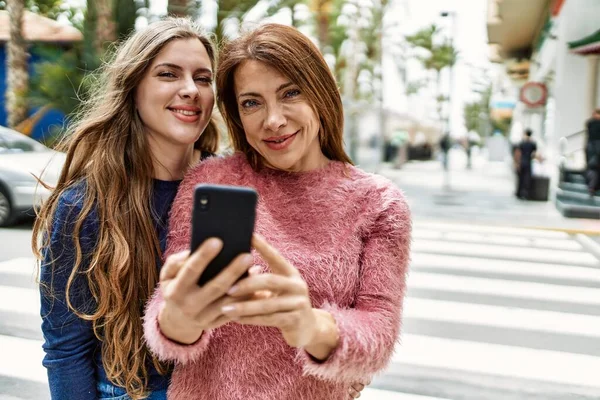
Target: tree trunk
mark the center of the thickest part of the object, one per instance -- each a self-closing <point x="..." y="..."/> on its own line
<point x="17" y="77"/>
<point x="178" y="8"/>
<point x="106" y="31"/>
<point x="322" y="10"/>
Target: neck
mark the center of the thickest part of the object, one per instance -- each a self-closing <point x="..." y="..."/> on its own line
<point x="171" y="161"/>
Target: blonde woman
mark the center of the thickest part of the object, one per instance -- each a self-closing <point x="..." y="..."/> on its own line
<point x="333" y="251"/>
<point x="101" y="235"/>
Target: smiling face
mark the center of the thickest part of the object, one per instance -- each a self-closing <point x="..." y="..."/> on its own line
<point x="175" y="97"/>
<point x="278" y="121"/>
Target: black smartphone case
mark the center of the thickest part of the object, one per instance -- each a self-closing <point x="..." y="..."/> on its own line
<point x="227" y="213"/>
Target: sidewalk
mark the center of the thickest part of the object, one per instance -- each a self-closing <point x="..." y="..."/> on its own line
<point x="483" y="195"/>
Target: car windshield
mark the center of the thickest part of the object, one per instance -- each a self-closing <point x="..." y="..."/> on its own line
<point x="15" y="142"/>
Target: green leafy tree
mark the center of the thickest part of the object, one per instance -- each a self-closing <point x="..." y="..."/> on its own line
<point x="231" y="9"/>
<point x="291" y="5"/>
<point x="179" y="8"/>
<point x="477" y="113"/>
<point x="434" y="56"/>
<point x="63" y="79"/>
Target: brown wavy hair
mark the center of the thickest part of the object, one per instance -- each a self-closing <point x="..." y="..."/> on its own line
<point x="108" y="150"/>
<point x="292" y="54"/>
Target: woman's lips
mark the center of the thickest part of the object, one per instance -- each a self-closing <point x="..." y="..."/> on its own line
<point x="280" y="143"/>
<point x="185" y="115"/>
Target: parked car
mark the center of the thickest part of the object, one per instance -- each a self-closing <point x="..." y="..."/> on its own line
<point x="22" y="161"/>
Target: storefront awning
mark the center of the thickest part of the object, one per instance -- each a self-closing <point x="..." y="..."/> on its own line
<point x="587" y="45"/>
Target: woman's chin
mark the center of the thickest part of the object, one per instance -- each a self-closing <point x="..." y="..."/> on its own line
<point x="281" y="163"/>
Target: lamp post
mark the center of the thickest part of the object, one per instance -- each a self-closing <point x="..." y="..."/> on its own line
<point x="452" y="16"/>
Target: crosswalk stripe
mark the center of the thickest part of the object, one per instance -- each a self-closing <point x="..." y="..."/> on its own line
<point x="500" y="287"/>
<point x="499" y="360"/>
<point x="28" y="300"/>
<point x="519" y="241"/>
<point x="502" y="317"/>
<point x="24" y="266"/>
<point x="506" y="252"/>
<point x="378" y="394"/>
<point x="23" y="359"/>
<point x="456" y="227"/>
<point x="523" y="268"/>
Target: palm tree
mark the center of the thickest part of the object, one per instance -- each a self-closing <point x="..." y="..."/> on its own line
<point x="17" y="75"/>
<point x="178" y="8"/>
<point x="436" y="57"/>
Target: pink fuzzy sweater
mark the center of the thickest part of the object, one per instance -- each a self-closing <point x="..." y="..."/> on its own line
<point x="348" y="233"/>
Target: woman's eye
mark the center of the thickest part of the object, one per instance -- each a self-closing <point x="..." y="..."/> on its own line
<point x="204" y="79"/>
<point x="249" y="103"/>
<point x="292" y="93"/>
<point x="167" y="74"/>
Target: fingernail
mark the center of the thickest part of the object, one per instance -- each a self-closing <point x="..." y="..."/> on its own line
<point x="214" y="243"/>
<point x="255" y="269"/>
<point x="248" y="259"/>
<point x="226" y="309"/>
<point x="233" y="289"/>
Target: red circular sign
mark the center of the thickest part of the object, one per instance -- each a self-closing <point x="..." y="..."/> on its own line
<point x="534" y="94"/>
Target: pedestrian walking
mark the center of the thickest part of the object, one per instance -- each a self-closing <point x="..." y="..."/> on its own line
<point x="593" y="152"/>
<point x="525" y="152"/>
<point x="102" y="233"/>
<point x="445" y="145"/>
<point x="335" y="251"/>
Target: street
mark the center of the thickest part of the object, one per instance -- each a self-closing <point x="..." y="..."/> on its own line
<point x="493" y="311"/>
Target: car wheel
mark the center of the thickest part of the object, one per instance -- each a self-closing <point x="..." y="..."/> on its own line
<point x="6" y="212"/>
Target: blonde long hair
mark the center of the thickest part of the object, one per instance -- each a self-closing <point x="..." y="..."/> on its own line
<point x="292" y="54"/>
<point x="109" y="151"/>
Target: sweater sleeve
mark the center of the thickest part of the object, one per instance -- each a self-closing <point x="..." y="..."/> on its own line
<point x="69" y="341"/>
<point x="177" y="240"/>
<point x="369" y="330"/>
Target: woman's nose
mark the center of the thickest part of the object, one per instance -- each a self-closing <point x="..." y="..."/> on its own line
<point x="275" y="118"/>
<point x="189" y="89"/>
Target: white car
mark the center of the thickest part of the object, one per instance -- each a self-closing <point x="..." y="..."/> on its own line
<point x="22" y="161"/>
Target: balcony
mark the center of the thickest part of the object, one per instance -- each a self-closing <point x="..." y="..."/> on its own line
<point x="513" y="26"/>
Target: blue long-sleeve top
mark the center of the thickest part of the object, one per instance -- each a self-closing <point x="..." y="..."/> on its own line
<point x="73" y="354"/>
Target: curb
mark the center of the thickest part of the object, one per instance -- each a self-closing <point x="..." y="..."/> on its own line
<point x="570" y="231"/>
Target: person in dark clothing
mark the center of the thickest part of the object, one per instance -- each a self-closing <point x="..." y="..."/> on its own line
<point x="445" y="145"/>
<point x="593" y="153"/>
<point x="524" y="155"/>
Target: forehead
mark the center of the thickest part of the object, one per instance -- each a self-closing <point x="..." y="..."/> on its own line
<point x="257" y="76"/>
<point x="185" y="53"/>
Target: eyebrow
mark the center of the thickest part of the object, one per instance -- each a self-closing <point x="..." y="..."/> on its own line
<point x="177" y="67"/>
<point x="281" y="87"/>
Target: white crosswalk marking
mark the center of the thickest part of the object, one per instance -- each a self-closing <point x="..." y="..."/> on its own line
<point x="485" y="305"/>
<point x="523" y="290"/>
<point x="20" y="354"/>
<point x="543" y="365"/>
<point x="517" y="305"/>
<point x="503" y="317"/>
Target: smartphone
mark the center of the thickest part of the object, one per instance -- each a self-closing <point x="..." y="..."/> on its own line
<point x="227" y="213"/>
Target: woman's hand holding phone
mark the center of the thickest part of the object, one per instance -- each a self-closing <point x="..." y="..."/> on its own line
<point x="288" y="308"/>
<point x="190" y="309"/>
